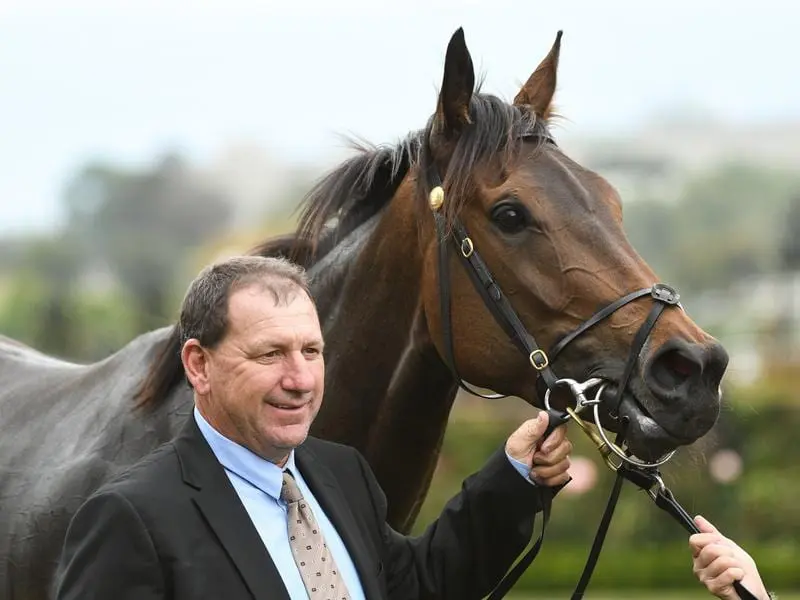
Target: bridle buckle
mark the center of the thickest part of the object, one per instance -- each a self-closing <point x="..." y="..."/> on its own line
<point x="539" y="359"/>
<point x="666" y="294"/>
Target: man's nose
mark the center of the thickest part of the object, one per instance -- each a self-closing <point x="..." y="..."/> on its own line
<point x="298" y="376"/>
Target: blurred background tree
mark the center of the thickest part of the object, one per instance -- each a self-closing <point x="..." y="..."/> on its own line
<point x="140" y="226"/>
<point x="726" y="224"/>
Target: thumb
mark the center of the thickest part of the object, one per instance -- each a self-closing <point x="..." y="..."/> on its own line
<point x="536" y="427"/>
<point x="704" y="525"/>
<point x="522" y="441"/>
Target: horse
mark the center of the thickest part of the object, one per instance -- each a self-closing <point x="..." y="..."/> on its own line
<point x="374" y="236"/>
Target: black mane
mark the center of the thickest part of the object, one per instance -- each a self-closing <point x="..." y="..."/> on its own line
<point x="364" y="184"/>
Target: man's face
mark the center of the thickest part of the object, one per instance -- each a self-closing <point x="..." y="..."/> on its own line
<point x="266" y="377"/>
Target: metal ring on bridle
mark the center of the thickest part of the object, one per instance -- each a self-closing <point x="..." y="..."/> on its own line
<point x="616" y="449"/>
<point x="578" y="392"/>
<point x="467" y="247"/>
<point x="662" y="487"/>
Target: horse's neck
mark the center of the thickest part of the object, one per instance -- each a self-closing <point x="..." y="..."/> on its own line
<point x="404" y="446"/>
<point x="387" y="391"/>
<point x="367" y="293"/>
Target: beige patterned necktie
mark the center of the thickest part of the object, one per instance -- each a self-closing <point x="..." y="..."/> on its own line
<point x="314" y="560"/>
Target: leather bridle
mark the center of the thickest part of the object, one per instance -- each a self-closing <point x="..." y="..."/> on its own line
<point x="504" y="314"/>
<point x="644" y="475"/>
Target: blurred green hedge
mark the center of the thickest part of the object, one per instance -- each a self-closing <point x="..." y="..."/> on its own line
<point x="664" y="567"/>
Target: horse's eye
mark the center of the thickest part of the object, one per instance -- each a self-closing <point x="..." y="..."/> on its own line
<point x="511" y="217"/>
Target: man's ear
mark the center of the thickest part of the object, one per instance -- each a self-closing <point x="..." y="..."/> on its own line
<point x="195" y="364"/>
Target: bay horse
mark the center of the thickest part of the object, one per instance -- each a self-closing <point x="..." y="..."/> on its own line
<point x="548" y="230"/>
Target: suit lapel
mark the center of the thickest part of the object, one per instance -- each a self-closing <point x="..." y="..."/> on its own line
<point x="330" y="496"/>
<point x="220" y="505"/>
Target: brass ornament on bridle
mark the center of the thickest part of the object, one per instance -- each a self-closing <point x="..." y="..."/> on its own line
<point x="436" y="198"/>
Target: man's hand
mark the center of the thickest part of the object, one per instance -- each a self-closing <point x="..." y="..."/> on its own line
<point x="549" y="460"/>
<point x="718" y="562"/>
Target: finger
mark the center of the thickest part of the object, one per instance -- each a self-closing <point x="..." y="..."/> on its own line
<point x="542" y="473"/>
<point x="555" y="455"/>
<point x="536" y="427"/>
<point x="705" y="525"/>
<point x="698" y="541"/>
<point x="721" y="564"/>
<point x="722" y="585"/>
<point x="555" y="438"/>
<point x="521" y="442"/>
<point x="716" y="557"/>
<point x="557" y="480"/>
<point x="709" y="529"/>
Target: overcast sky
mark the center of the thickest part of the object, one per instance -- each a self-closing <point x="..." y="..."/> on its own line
<point x="125" y="81"/>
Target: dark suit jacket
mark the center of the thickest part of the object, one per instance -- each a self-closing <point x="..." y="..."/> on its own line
<point x="173" y="526"/>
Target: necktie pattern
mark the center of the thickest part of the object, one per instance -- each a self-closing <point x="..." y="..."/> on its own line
<point x="314" y="560"/>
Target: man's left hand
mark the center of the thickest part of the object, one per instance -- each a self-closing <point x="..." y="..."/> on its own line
<point x="549" y="458"/>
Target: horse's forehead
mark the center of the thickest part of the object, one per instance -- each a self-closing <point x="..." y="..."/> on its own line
<point x="549" y="174"/>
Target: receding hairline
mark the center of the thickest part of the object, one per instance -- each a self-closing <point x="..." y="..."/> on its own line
<point x="205" y="307"/>
<point x="283" y="289"/>
<point x="253" y="291"/>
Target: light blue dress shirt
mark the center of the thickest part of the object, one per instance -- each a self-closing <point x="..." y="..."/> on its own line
<point x="258" y="484"/>
<point x="521" y="468"/>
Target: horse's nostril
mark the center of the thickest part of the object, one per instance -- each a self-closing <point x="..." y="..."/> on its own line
<point x="673" y="368"/>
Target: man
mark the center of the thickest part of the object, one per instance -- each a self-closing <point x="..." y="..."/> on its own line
<point x="718" y="562"/>
<point x="244" y="504"/>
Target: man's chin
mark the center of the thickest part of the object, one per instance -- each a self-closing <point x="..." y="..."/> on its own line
<point x="288" y="437"/>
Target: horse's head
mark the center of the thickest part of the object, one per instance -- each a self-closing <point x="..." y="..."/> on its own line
<point x="550" y="233"/>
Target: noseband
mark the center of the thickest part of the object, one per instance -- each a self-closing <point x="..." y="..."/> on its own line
<point x="644" y="475"/>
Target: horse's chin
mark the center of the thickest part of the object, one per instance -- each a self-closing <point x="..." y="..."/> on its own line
<point x="645" y="438"/>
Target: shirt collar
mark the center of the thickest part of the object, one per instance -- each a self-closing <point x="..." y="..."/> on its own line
<point x="258" y="472"/>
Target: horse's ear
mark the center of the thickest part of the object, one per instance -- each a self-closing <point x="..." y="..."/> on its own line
<point x="452" y="111"/>
<point x="540" y="88"/>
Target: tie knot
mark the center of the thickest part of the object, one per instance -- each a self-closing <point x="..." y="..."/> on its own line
<point x="290" y="492"/>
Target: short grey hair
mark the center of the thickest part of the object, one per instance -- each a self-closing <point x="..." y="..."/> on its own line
<point x="204" y="312"/>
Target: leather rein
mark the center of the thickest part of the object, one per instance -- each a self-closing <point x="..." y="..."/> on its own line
<point x="644" y="475"/>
